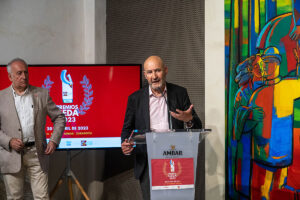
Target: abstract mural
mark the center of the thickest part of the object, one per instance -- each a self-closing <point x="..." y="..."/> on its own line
<point x="262" y="52"/>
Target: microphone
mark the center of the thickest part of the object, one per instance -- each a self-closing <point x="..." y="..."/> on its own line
<point x="169" y="114"/>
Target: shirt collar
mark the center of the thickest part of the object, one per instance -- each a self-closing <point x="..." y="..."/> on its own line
<point x="15" y="94"/>
<point x="151" y="93"/>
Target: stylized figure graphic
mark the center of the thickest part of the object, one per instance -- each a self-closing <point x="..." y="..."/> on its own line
<point x="283" y="32"/>
<point x="172" y="166"/>
<point x="67" y="87"/>
<point x="249" y="79"/>
<point x="273" y="135"/>
<point x="264" y="124"/>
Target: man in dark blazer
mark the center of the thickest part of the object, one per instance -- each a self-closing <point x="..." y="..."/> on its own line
<point x="23" y="146"/>
<point x="148" y="110"/>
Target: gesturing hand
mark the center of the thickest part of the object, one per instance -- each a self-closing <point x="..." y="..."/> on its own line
<point x="183" y="115"/>
<point x="16" y="144"/>
<point x="51" y="146"/>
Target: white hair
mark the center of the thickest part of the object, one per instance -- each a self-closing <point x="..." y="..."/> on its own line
<point x="8" y="67"/>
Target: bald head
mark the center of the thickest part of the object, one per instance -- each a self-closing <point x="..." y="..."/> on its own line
<point x="154" y="60"/>
<point x="155" y="72"/>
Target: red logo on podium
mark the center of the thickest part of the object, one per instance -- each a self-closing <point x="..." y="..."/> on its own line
<point x="177" y="173"/>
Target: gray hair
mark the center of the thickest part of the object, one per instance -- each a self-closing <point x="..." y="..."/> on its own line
<point x="8" y="67"/>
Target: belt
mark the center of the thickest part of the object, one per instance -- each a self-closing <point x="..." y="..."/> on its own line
<point x="29" y="144"/>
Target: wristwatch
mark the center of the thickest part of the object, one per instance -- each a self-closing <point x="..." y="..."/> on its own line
<point x="189" y="124"/>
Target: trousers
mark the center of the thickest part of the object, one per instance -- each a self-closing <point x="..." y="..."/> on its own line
<point x="14" y="182"/>
<point x="145" y="184"/>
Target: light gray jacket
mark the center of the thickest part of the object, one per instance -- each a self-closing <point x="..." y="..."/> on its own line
<point x="10" y="127"/>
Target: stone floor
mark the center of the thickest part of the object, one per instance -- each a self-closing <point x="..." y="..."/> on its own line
<point x="122" y="187"/>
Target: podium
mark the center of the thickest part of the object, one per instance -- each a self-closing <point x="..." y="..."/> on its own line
<point x="172" y="160"/>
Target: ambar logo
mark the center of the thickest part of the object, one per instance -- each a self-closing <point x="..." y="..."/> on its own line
<point x="173" y="152"/>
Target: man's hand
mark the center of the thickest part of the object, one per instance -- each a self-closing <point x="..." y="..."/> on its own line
<point x="16" y="144"/>
<point x="127" y="147"/>
<point x="183" y="115"/>
<point x="51" y="146"/>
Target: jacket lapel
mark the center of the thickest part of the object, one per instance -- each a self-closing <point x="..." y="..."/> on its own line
<point x="171" y="98"/>
<point x="34" y="101"/>
<point x="145" y="107"/>
<point x="11" y="105"/>
<point x="171" y="104"/>
<point x="10" y="100"/>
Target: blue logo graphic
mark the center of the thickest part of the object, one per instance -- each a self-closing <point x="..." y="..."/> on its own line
<point x="47" y="83"/>
<point x="68" y="143"/>
<point x="88" y="93"/>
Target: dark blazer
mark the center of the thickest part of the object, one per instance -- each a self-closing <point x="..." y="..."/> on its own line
<point x="137" y="118"/>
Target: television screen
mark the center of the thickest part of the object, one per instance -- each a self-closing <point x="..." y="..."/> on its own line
<point x="92" y="97"/>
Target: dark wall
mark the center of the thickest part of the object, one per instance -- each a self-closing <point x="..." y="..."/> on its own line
<point x="172" y="29"/>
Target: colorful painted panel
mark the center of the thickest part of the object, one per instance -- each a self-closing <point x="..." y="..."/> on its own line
<point x="262" y="52"/>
